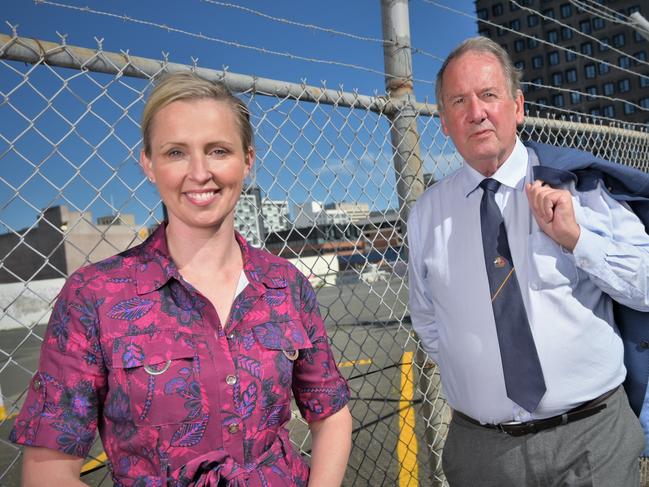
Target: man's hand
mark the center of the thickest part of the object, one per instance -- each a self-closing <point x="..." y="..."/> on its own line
<point x="554" y="213"/>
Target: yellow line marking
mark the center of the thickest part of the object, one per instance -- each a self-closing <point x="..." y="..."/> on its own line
<point x="99" y="460"/>
<point x="351" y="363"/>
<point x="3" y="413"/>
<point x="502" y="285"/>
<point x="407" y="444"/>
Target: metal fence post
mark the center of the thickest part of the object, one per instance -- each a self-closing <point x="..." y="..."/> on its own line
<point x="410" y="184"/>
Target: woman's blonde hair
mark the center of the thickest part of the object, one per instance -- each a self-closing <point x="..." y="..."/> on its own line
<point x="189" y="86"/>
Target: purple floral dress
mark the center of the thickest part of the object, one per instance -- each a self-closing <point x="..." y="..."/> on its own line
<point x="179" y="400"/>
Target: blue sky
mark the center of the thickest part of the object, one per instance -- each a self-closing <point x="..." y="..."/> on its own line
<point x="210" y="31"/>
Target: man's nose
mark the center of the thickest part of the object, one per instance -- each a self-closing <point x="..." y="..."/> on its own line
<point x="477" y="112"/>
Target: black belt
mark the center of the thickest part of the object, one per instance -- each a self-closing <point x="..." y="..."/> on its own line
<point x="517" y="428"/>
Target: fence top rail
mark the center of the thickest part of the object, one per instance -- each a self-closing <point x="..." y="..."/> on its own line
<point x="60" y="54"/>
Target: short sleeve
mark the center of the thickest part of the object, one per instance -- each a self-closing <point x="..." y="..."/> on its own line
<point x="64" y="395"/>
<point x="318" y="386"/>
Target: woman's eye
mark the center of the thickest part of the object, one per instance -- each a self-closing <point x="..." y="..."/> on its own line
<point x="174" y="154"/>
<point x="219" y="151"/>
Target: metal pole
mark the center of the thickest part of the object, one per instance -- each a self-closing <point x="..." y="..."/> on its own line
<point x="410" y="184"/>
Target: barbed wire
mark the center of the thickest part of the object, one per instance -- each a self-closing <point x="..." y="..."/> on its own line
<point x="414" y="50"/>
<point x="583" y="34"/>
<point x="528" y="36"/>
<point x="602" y="11"/>
<point x="588" y="95"/>
<point x="579" y="115"/>
<point x="201" y="36"/>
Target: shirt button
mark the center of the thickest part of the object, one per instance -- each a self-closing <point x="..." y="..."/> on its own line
<point x="233" y="429"/>
<point x="231" y="380"/>
<point x="36" y="385"/>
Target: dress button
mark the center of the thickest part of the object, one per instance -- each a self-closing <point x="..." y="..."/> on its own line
<point x="233" y="428"/>
<point x="36" y="385"/>
<point x="231" y="380"/>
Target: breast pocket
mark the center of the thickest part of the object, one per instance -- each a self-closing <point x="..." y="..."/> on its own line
<point x="550" y="265"/>
<point x="162" y="378"/>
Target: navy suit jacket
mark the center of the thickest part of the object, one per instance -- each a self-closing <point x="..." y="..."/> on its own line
<point x="560" y="165"/>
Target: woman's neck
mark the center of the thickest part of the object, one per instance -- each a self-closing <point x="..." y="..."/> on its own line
<point x="207" y="249"/>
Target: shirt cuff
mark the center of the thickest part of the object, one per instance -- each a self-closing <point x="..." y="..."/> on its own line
<point x="590" y="251"/>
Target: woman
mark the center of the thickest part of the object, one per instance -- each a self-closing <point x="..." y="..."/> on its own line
<point x="183" y="350"/>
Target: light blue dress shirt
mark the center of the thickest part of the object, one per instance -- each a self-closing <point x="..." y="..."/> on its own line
<point x="566" y="295"/>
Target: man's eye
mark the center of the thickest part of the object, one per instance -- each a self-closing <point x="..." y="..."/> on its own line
<point x="458" y="101"/>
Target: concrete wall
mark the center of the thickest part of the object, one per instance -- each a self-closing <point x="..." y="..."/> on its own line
<point x="27" y="306"/>
<point x="321" y="270"/>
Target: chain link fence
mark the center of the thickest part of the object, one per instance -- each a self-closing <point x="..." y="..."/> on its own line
<point x="324" y="194"/>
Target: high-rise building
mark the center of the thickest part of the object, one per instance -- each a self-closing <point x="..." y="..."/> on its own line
<point x="247" y="216"/>
<point x="582" y="50"/>
<point x="275" y="215"/>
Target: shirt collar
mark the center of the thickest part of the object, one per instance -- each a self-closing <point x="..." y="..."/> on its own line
<point x="155" y="266"/>
<point x="512" y="173"/>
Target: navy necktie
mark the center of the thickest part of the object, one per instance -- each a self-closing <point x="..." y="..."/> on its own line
<point x="521" y="366"/>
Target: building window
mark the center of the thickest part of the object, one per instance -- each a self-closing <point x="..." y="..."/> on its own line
<point x="594" y="112"/>
<point x="484" y="32"/>
<point x="557" y="79"/>
<point x="591" y="90"/>
<point x="587" y="48"/>
<point x="598" y="23"/>
<point x="644" y="102"/>
<point x="543" y="102"/>
<point x="604" y="68"/>
<point x="557" y="100"/>
<point x="565" y="10"/>
<point x="589" y="71"/>
<point x="519" y="45"/>
<point x="483" y="14"/>
<point x="584" y="26"/>
<point x="602" y="45"/>
<point x="571" y="55"/>
<point x="553" y="58"/>
<point x="497" y="9"/>
<point x="639" y="56"/>
<point x="629" y="109"/>
<point x="537" y="62"/>
<point x="624" y="61"/>
<point x="520" y="65"/>
<point x="609" y="89"/>
<point x="575" y="97"/>
<point x="644" y="81"/>
<point x="624" y="85"/>
<point x="513" y="7"/>
<point x="532" y="20"/>
<point x="637" y="37"/>
<point x="532" y="42"/>
<point x="609" y="111"/>
<point x="571" y="75"/>
<point x="566" y="33"/>
<point x="500" y="31"/>
<point x="538" y="81"/>
<point x="619" y="40"/>
<point x="548" y="12"/>
<point x="515" y="25"/>
<point x="553" y="36"/>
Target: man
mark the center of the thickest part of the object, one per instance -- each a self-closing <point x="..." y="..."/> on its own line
<point x="511" y="288"/>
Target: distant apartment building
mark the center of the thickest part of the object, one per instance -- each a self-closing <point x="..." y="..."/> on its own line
<point x="275" y="215"/>
<point x="247" y="216"/>
<point x="615" y="67"/>
<point x="62" y="241"/>
<point x="355" y="212"/>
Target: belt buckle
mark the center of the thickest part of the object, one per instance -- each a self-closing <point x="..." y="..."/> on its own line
<point x="503" y="426"/>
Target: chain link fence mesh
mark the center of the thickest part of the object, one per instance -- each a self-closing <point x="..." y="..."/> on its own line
<point x="323" y="194"/>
